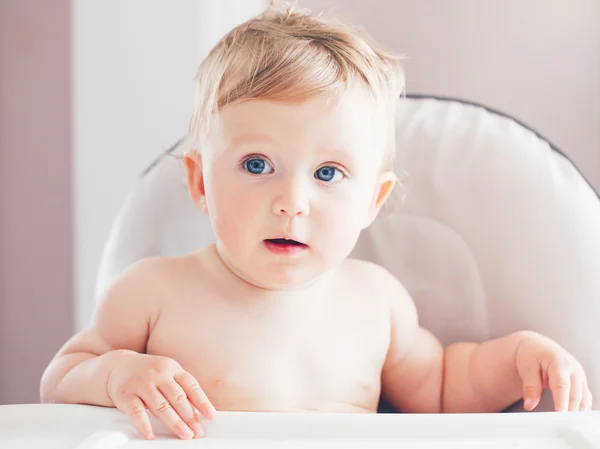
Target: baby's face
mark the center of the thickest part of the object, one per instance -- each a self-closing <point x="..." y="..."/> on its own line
<point x="289" y="187"/>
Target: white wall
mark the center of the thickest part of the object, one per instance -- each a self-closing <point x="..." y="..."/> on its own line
<point x="134" y="61"/>
<point x="538" y="60"/>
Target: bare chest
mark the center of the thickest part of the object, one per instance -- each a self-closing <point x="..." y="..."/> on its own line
<point x="277" y="358"/>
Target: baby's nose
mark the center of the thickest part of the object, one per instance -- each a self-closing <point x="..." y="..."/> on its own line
<point x="292" y="201"/>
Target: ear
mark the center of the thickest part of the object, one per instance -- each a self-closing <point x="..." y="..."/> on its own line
<point x="195" y="179"/>
<point x="383" y="189"/>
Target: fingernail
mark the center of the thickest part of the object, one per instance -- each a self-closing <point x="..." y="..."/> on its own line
<point x="209" y="412"/>
<point x="198" y="430"/>
<point x="149" y="436"/>
<point x="528" y="404"/>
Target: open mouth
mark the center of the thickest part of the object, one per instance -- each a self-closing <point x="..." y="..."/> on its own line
<point x="285" y="242"/>
<point x="285" y="246"/>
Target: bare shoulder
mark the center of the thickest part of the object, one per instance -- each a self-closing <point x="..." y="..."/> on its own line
<point x="138" y="294"/>
<point x="132" y="290"/>
<point x="127" y="312"/>
<point x="157" y="275"/>
<point x="146" y="276"/>
<point x="379" y="281"/>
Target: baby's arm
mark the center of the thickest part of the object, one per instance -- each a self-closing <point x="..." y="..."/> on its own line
<point x="106" y="364"/>
<point x="413" y="372"/>
<point x="420" y="376"/>
<point x="80" y="370"/>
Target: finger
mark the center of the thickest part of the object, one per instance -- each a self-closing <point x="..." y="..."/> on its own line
<point x="559" y="380"/>
<point x="196" y="395"/>
<point x="163" y="410"/>
<point x="178" y="399"/>
<point x="133" y="407"/>
<point x="532" y="387"/>
<point x="586" y="400"/>
<point x="576" y="391"/>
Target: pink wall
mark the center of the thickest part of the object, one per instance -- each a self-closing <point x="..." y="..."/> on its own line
<point x="36" y="304"/>
<point x="538" y="60"/>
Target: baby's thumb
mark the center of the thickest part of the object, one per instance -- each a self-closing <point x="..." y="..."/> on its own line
<point x="532" y="387"/>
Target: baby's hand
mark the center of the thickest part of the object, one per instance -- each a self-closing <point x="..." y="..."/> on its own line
<point x="160" y="384"/>
<point x="542" y="363"/>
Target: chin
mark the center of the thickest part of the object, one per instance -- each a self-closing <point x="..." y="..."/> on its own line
<point x="282" y="275"/>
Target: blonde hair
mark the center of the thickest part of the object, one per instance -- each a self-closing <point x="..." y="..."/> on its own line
<point x="287" y="54"/>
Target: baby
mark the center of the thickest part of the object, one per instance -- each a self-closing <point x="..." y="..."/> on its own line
<point x="292" y="158"/>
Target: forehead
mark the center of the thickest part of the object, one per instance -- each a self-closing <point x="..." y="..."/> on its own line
<point x="347" y="122"/>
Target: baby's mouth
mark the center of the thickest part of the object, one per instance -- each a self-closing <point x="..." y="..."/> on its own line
<point x="285" y="242"/>
<point x="285" y="246"/>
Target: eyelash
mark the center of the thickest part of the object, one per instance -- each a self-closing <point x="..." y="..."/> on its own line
<point x="245" y="159"/>
<point x="336" y="166"/>
<point x="252" y="156"/>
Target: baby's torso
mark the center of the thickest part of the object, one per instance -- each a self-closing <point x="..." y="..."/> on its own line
<point x="257" y="353"/>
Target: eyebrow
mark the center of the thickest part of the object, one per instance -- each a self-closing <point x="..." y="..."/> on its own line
<point x="250" y="138"/>
<point x="333" y="154"/>
<point x="336" y="154"/>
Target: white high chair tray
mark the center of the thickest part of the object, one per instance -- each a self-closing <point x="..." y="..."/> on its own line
<point x="86" y="427"/>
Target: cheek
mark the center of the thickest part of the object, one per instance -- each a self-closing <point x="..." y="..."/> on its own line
<point x="229" y="205"/>
<point x="344" y="215"/>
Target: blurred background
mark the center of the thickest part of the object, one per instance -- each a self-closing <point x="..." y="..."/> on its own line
<point x="91" y="91"/>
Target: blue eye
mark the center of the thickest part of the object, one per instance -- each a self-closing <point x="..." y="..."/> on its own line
<point x="328" y="174"/>
<point x="257" y="166"/>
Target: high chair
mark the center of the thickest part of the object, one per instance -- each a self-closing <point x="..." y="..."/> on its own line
<point x="496" y="231"/>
